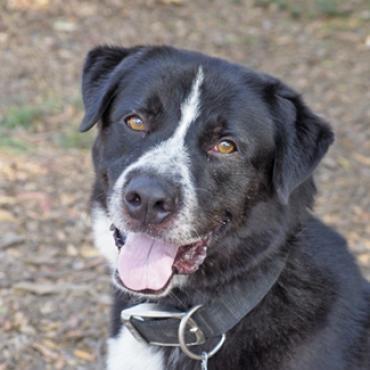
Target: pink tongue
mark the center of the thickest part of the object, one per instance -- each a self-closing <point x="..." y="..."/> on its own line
<point x="145" y="263"/>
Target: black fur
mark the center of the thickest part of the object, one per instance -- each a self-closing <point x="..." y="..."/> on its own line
<point x="317" y="316"/>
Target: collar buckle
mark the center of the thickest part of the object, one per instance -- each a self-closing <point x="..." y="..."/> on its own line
<point x="150" y="311"/>
<point x="204" y="356"/>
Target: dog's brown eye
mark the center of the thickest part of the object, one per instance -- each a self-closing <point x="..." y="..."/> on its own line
<point x="224" y="147"/>
<point x="135" y="122"/>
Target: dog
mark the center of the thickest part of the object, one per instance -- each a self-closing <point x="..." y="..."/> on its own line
<point x="202" y="204"/>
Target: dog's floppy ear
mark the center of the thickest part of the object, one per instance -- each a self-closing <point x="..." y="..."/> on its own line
<point x="100" y="78"/>
<point x="302" y="139"/>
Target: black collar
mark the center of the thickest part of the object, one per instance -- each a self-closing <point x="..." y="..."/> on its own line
<point x="157" y="324"/>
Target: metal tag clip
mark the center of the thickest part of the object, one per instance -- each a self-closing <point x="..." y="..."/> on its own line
<point x="204" y="356"/>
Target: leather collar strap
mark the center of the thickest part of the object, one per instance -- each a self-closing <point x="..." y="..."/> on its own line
<point x="159" y="325"/>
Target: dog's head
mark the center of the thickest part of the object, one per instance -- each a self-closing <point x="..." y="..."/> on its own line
<point x="195" y="157"/>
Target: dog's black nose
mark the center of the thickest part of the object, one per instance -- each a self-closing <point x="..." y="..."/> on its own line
<point x="149" y="200"/>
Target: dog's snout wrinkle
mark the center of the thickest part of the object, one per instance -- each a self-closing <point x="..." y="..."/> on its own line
<point x="150" y="201"/>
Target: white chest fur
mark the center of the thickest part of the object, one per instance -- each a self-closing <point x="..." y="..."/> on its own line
<point x="126" y="353"/>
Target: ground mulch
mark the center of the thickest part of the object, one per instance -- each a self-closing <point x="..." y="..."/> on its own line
<point x="54" y="286"/>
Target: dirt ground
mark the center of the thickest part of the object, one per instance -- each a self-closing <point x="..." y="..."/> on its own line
<point x="54" y="287"/>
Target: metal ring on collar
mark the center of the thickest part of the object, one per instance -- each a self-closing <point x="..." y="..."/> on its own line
<point x="182" y="341"/>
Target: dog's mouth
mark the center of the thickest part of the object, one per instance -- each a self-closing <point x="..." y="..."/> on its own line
<point x="147" y="265"/>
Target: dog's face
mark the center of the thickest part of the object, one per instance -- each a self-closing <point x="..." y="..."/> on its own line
<point x="190" y="151"/>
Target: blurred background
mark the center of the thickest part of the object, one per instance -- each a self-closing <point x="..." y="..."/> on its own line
<point x="54" y="287"/>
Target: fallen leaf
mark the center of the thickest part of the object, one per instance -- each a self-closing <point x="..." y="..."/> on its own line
<point x="345" y="163"/>
<point x="42" y="200"/>
<point x="367" y="41"/>
<point x="9" y="240"/>
<point x="72" y="250"/>
<point x="83" y="355"/>
<point x="362" y="159"/>
<point x="49" y="288"/>
<point x="367" y="244"/>
<point x="36" y="288"/>
<point x="75" y="334"/>
<point x="7" y="201"/>
<point x="27" y="4"/>
<point x="14" y="252"/>
<point x="50" y="326"/>
<point x="64" y="26"/>
<point x="50" y="344"/>
<point x="172" y="2"/>
<point x="39" y="260"/>
<point x="46" y="352"/>
<point x="364" y="259"/>
<point x="88" y="252"/>
<point x="6" y="216"/>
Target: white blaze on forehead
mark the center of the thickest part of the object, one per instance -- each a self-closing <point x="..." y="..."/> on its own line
<point x="170" y="158"/>
<point x="189" y="108"/>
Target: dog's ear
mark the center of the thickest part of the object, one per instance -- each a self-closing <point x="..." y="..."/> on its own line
<point x="101" y="74"/>
<point x="302" y="139"/>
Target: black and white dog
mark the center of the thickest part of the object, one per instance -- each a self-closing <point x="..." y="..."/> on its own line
<point x="204" y="180"/>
